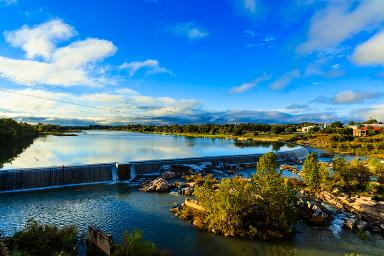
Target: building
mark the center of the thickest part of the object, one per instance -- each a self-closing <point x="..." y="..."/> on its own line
<point x="306" y="129"/>
<point x="362" y="130"/>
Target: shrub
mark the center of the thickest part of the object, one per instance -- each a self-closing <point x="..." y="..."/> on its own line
<point x="134" y="245"/>
<point x="263" y="208"/>
<point x="352" y="176"/>
<point x="39" y="239"/>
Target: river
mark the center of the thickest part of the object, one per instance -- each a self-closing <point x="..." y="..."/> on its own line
<point x="118" y="207"/>
<point x="98" y="146"/>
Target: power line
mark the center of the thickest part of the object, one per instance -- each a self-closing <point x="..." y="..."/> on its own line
<point x="38" y="84"/>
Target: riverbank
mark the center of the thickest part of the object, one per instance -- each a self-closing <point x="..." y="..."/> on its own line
<point x="360" y="146"/>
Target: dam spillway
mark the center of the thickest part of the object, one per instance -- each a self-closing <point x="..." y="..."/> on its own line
<point x="38" y="178"/>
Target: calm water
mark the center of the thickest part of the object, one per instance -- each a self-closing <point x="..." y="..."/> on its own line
<point x="106" y="147"/>
<point x="115" y="208"/>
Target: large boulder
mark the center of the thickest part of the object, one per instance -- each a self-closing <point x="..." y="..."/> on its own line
<point x="350" y="223"/>
<point x="188" y="191"/>
<point x="168" y="175"/>
<point x="157" y="185"/>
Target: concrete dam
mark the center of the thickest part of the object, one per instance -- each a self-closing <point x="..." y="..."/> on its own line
<point x="38" y="178"/>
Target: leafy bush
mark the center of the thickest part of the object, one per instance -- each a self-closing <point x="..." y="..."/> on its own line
<point x="39" y="239"/>
<point x="134" y="245"/>
<point x="352" y="176"/>
<point x="263" y="208"/>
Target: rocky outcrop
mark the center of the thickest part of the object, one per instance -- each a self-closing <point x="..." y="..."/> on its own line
<point x="313" y="212"/>
<point x="188" y="191"/>
<point x="168" y="175"/>
<point x="157" y="185"/>
<point x="364" y="207"/>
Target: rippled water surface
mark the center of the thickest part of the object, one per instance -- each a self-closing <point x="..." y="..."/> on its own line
<point x="119" y="207"/>
<point x="108" y="146"/>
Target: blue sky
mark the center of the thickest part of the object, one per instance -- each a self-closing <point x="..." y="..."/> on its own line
<point x="194" y="61"/>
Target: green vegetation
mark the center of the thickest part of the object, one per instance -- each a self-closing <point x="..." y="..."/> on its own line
<point x="38" y="239"/>
<point x="352" y="176"/>
<point x="356" y="177"/>
<point x="16" y="136"/>
<point x="314" y="173"/>
<point x="12" y="132"/>
<point x="134" y="245"/>
<point x="262" y="208"/>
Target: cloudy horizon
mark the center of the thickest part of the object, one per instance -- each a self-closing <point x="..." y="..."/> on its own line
<point x="162" y="61"/>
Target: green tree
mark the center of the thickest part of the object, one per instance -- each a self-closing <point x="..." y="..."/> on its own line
<point x="38" y="239"/>
<point x="314" y="173"/>
<point x="377" y="169"/>
<point x="353" y="176"/>
<point x="134" y="245"/>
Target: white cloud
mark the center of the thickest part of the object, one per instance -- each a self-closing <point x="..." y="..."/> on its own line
<point x="348" y="97"/>
<point x="152" y="67"/>
<point x="370" y="52"/>
<point x="39" y="40"/>
<point x="374" y="112"/>
<point x="249" y="85"/>
<point x="338" y="22"/>
<point x="123" y="105"/>
<point x="285" y="80"/>
<point x="73" y="64"/>
<point x="189" y="30"/>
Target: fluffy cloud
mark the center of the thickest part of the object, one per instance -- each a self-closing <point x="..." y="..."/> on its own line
<point x="152" y="67"/>
<point x="285" y="80"/>
<point x="370" y="52"/>
<point x="339" y="21"/>
<point x="375" y="112"/>
<point x="249" y="85"/>
<point x="348" y="97"/>
<point x="189" y="30"/>
<point x="124" y="105"/>
<point x="39" y="40"/>
<point x="73" y="64"/>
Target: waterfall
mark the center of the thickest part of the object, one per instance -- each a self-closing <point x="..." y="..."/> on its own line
<point x="115" y="177"/>
<point x="337" y="224"/>
<point x="133" y="173"/>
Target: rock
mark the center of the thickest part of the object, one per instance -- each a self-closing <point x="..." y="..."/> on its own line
<point x="350" y="223"/>
<point x="191" y="184"/>
<point x="362" y="225"/>
<point x="188" y="191"/>
<point x="301" y="203"/>
<point x="168" y="175"/>
<point x="174" y="210"/>
<point x="311" y="204"/>
<point x="157" y="185"/>
<point x="324" y="215"/>
<point x="317" y="212"/>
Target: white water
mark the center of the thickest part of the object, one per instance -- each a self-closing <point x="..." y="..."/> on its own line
<point x="337" y="224"/>
<point x="115" y="177"/>
<point x="133" y="173"/>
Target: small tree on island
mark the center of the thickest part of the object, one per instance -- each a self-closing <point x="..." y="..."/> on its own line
<point x="314" y="173"/>
<point x="263" y="208"/>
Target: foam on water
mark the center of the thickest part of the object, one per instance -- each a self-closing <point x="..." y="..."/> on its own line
<point x="337" y="224"/>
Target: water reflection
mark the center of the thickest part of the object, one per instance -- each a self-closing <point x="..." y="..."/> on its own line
<point x="9" y="153"/>
<point x="106" y="147"/>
